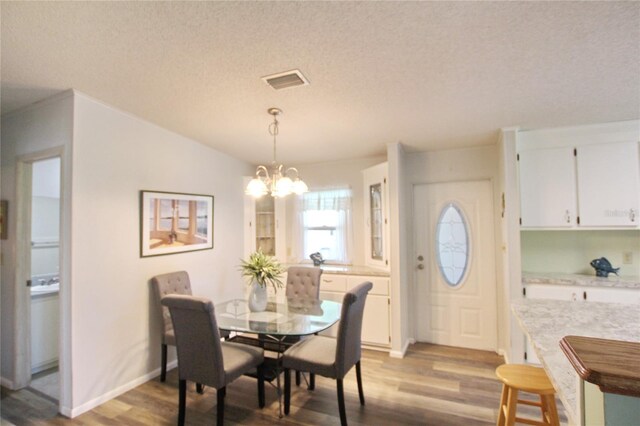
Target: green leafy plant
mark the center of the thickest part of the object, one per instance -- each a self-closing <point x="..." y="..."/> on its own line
<point x="263" y="269"/>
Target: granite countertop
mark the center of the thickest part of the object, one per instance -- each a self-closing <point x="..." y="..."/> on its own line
<point x="346" y="269"/>
<point x="545" y="322"/>
<point x="612" y="280"/>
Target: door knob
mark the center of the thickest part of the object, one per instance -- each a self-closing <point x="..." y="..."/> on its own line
<point x="420" y="266"/>
<point x="420" y="258"/>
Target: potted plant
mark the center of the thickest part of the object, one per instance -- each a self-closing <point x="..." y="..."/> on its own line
<point x="260" y="270"/>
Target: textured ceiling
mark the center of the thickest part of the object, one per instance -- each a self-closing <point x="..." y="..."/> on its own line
<point x="432" y="75"/>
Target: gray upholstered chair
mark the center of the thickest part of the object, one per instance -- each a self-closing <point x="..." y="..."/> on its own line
<point x="163" y="285"/>
<point x="303" y="283"/>
<point x="330" y="357"/>
<point x="202" y="357"/>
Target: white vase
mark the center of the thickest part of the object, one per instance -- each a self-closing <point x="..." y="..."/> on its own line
<point x="257" y="297"/>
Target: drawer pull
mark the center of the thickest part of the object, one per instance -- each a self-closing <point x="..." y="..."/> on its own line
<point x="328" y="281"/>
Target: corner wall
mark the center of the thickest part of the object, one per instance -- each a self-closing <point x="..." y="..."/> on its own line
<point x="116" y="343"/>
<point x="42" y="128"/>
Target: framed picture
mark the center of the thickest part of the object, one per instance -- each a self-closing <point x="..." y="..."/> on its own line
<point x="175" y="223"/>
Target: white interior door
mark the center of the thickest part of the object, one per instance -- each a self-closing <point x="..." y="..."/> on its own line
<point x="456" y="285"/>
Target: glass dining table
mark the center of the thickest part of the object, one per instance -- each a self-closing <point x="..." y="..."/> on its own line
<point x="277" y="327"/>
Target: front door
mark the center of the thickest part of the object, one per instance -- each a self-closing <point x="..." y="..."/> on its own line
<point x="454" y="257"/>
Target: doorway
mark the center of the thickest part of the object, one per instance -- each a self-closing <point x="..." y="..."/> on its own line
<point x="45" y="277"/>
<point x="454" y="254"/>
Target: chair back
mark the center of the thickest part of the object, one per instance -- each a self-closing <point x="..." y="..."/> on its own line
<point x="303" y="283"/>
<point x="348" y="342"/>
<point x="163" y="285"/>
<point x="197" y="339"/>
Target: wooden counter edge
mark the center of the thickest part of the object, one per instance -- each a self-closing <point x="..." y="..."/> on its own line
<point x="605" y="380"/>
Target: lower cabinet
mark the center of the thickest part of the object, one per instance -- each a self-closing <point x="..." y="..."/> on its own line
<point x="375" y="323"/>
<point x="44" y="331"/>
<point x="578" y="294"/>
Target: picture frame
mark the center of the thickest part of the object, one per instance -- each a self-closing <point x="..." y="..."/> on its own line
<point x="174" y="222"/>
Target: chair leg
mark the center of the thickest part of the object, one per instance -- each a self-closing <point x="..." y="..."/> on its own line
<point x="297" y="378"/>
<point x="220" y="394"/>
<point x="312" y="381"/>
<point x="503" y="404"/>
<point x="200" y="388"/>
<point x="287" y="391"/>
<point x="260" y="387"/>
<point x="512" y="405"/>
<point x="341" y="407"/>
<point x="163" y="363"/>
<point x="182" y="401"/>
<point x="359" y="378"/>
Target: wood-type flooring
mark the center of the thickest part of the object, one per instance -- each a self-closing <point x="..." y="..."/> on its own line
<point x="432" y="385"/>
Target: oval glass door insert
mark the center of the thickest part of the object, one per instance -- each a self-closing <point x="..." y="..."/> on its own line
<point x="452" y="245"/>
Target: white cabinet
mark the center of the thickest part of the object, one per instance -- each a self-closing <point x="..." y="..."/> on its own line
<point x="45" y="320"/>
<point x="264" y="226"/>
<point x="375" y="323"/>
<point x="547" y="188"/>
<point x="376" y="216"/>
<point x="609" y="184"/>
<point x="586" y="186"/>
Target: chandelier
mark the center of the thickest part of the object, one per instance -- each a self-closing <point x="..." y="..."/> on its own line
<point x="281" y="182"/>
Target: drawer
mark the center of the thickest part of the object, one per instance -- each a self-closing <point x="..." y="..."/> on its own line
<point x="331" y="282"/>
<point x="380" y="284"/>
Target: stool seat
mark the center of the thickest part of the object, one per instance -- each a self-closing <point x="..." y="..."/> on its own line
<point x="525" y="378"/>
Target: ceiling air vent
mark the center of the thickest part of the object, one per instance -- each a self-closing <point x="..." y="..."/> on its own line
<point x="286" y="79"/>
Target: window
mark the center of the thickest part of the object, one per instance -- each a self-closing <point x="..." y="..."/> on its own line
<point x="452" y="245"/>
<point x="325" y="218"/>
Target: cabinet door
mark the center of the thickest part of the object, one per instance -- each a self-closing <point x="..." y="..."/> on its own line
<point x="613" y="295"/>
<point x="376" y="216"/>
<point x="375" y="323"/>
<point x="609" y="184"/>
<point x="555" y="292"/>
<point x="547" y="188"/>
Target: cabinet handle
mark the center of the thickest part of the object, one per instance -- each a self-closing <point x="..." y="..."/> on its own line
<point x="567" y="216"/>
<point x="584" y="295"/>
<point x="632" y="215"/>
<point x="328" y="281"/>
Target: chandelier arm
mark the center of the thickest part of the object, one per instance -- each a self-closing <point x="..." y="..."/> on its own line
<point x="262" y="169"/>
<point x="293" y="169"/>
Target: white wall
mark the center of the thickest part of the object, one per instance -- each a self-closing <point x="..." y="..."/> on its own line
<point x="338" y="173"/>
<point x="26" y="135"/>
<point x="115" y="332"/>
<point x="449" y="166"/>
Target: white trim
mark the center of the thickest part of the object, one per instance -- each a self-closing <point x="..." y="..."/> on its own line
<point x="403" y="352"/>
<point x="504" y="354"/>
<point x="90" y="405"/>
<point x="6" y="383"/>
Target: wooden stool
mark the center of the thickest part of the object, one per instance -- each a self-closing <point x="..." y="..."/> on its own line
<point x="514" y="378"/>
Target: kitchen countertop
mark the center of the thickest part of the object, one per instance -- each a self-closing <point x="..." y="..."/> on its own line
<point x="612" y="280"/>
<point x="347" y="269"/>
<point x="546" y="322"/>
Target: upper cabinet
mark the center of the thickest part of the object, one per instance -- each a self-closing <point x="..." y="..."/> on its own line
<point x="609" y="184"/>
<point x="376" y="216"/>
<point x="548" y="188"/>
<point x="264" y="221"/>
<point x="586" y="186"/>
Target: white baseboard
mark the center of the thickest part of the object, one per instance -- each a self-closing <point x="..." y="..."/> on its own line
<point x="90" y="405"/>
<point x="402" y="353"/>
<point x="505" y="355"/>
<point x="6" y="383"/>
